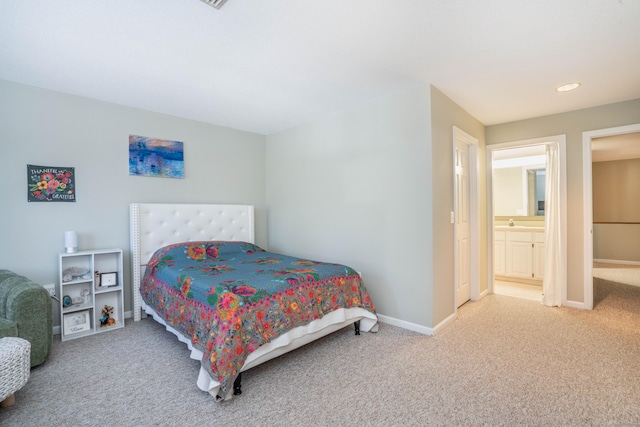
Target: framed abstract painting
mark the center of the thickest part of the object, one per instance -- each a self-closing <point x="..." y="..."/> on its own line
<point x="155" y="157"/>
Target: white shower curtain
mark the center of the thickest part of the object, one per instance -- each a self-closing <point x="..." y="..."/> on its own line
<point x="554" y="275"/>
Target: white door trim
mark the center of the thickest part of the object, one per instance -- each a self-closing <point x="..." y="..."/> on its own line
<point x="587" y="202"/>
<point x="474" y="212"/>
<point x="562" y="143"/>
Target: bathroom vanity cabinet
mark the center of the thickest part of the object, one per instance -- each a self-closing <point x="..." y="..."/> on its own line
<point x="519" y="253"/>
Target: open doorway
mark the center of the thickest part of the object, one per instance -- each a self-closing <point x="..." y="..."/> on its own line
<point x="529" y="249"/>
<point x="605" y="145"/>
<point x="518" y="220"/>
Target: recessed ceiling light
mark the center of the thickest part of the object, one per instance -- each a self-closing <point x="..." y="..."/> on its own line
<point x="567" y="87"/>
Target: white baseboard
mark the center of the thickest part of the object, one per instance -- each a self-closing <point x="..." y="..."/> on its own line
<point x="388" y="320"/>
<point x="382" y="318"/>
<point x="405" y="325"/>
<point x="452" y="318"/>
<point x="575" y="304"/>
<point x="615" y="261"/>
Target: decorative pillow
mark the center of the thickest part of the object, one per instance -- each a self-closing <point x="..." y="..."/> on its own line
<point x="216" y="250"/>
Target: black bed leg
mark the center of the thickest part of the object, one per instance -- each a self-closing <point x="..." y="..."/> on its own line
<point x="237" y="385"/>
<point x="357" y="326"/>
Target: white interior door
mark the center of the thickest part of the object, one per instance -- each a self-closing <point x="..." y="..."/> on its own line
<point x="462" y="224"/>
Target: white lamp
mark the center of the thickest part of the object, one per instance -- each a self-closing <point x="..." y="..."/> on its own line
<point x="70" y="242"/>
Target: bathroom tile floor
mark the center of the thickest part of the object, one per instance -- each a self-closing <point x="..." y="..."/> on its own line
<point x="619" y="273"/>
<point x="518" y="290"/>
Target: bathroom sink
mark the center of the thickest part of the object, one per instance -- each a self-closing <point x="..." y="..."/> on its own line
<point x="519" y="228"/>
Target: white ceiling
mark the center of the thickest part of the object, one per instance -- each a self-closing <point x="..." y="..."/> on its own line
<point x="265" y="66"/>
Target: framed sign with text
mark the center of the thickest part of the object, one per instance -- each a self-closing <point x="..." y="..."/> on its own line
<point x="50" y="184"/>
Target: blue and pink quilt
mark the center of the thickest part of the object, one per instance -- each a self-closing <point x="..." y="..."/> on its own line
<point x="232" y="297"/>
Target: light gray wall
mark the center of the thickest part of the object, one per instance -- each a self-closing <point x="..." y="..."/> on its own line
<point x="616" y="206"/>
<point x="572" y="124"/>
<point x="616" y="242"/>
<point x="616" y="191"/>
<point x="444" y="115"/>
<point x="47" y="128"/>
<point x="355" y="188"/>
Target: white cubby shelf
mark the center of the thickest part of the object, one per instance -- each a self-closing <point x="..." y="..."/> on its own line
<point x="89" y="280"/>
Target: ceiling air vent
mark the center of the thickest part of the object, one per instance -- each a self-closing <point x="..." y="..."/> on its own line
<point x="215" y="3"/>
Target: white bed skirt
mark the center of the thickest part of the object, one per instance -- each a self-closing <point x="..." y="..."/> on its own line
<point x="295" y="338"/>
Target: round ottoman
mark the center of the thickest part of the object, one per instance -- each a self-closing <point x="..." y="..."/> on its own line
<point x="15" y="367"/>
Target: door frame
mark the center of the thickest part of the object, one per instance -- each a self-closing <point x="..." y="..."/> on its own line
<point x="587" y="202"/>
<point x="562" y="160"/>
<point x="474" y="216"/>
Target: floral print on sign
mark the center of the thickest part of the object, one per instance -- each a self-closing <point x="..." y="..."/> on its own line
<point x="50" y="184"/>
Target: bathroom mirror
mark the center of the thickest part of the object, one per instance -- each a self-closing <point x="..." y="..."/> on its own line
<point x="518" y="181"/>
<point x="518" y="191"/>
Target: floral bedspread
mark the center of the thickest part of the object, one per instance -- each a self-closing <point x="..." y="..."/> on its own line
<point x="233" y="297"/>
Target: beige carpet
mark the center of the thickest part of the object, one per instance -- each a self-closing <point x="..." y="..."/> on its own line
<point x="619" y="273"/>
<point x="504" y="362"/>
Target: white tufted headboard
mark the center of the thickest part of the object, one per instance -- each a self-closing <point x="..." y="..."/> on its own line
<point x="154" y="225"/>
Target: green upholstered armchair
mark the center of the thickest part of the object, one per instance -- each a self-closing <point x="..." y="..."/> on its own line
<point x="25" y="312"/>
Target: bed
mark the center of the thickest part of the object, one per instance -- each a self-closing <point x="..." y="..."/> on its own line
<point x="197" y="270"/>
